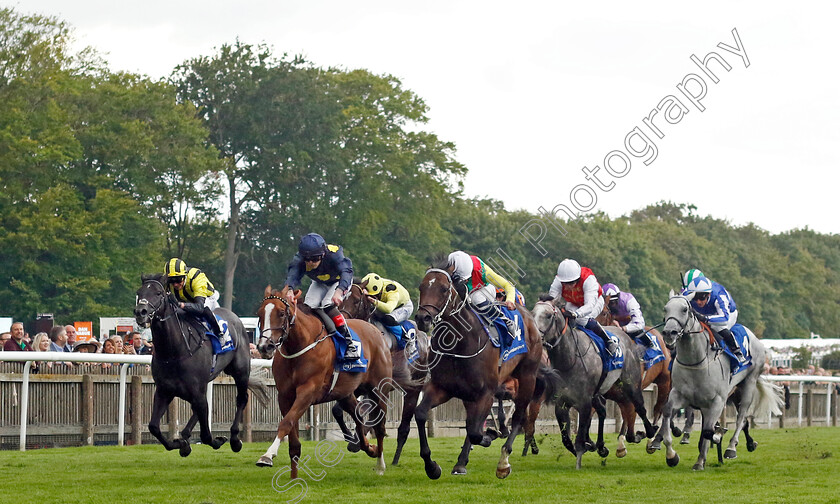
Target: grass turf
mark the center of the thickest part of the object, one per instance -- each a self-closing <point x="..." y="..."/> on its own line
<point x="790" y="465"/>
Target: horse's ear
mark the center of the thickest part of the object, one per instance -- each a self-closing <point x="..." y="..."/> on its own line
<point x="689" y="296"/>
<point x="671" y="294"/>
<point x="298" y="292"/>
<point x="267" y="291"/>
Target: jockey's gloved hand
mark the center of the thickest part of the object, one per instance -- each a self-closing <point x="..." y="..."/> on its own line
<point x="701" y="317"/>
<point x="573" y="314"/>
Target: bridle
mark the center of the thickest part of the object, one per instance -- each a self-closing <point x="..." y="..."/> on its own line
<point x="440" y="311"/>
<point x="684" y="331"/>
<point x="284" y="330"/>
<point x="163" y="300"/>
<point x="556" y="313"/>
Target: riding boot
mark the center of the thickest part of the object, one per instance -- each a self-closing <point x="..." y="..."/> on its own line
<point x="609" y="344"/>
<point x="645" y="337"/>
<point x="352" y="352"/>
<point x="214" y="325"/>
<point x="729" y="338"/>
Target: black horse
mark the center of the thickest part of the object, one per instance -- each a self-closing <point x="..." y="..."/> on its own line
<point x="183" y="364"/>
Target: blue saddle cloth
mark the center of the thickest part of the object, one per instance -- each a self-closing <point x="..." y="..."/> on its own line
<point x="740" y="333"/>
<point x="511" y="344"/>
<point x="218" y="348"/>
<point x="610" y="363"/>
<point x="653" y="354"/>
<point x="400" y="332"/>
<point x="354" y="366"/>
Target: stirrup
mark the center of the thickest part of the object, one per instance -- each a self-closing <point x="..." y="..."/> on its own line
<point x="352" y="352"/>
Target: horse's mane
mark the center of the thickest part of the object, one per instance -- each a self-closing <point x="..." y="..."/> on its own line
<point x="440" y="261"/>
<point x="151" y="276"/>
<point x="546" y="297"/>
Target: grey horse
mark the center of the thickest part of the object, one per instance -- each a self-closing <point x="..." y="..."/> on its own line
<point x="702" y="378"/>
<point x="576" y="361"/>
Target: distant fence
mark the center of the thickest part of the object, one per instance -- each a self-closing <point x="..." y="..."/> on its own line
<point x="51" y="404"/>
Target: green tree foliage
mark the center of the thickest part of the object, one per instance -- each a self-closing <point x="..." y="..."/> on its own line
<point x="831" y="360"/>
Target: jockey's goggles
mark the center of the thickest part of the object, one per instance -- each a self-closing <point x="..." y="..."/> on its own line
<point x="314" y="258"/>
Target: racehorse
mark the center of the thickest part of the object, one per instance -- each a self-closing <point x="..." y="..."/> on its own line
<point x="183" y="363"/>
<point x="576" y="360"/>
<point x="659" y="373"/>
<point x="304" y="374"/>
<point x="702" y="378"/>
<point x="466" y="366"/>
<point x="357" y="306"/>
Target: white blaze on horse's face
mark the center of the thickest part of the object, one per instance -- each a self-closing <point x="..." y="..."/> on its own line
<point x="267" y="318"/>
<point x="431" y="281"/>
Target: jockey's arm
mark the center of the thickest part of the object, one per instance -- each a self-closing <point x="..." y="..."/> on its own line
<point x="502" y="283"/>
<point x="590" y="298"/>
<point x="196" y="307"/>
<point x="345" y="268"/>
<point x="556" y="288"/>
<point x="721" y="314"/>
<point x="389" y="303"/>
<point x="637" y="321"/>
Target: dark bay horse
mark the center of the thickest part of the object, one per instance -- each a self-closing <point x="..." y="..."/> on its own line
<point x="304" y="374"/>
<point x="464" y="364"/>
<point x="409" y="376"/>
<point x="183" y="364"/>
<point x="659" y="374"/>
<point x="576" y="360"/>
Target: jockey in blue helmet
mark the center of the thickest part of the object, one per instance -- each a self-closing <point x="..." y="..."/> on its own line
<point x="713" y="305"/>
<point x="332" y="275"/>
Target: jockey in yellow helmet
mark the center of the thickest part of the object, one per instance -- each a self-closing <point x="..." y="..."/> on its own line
<point x="392" y="302"/>
<point x="194" y="292"/>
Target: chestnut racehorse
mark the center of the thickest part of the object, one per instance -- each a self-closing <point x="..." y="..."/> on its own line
<point x="304" y="374"/>
<point x="659" y="374"/>
<point x="466" y="366"/>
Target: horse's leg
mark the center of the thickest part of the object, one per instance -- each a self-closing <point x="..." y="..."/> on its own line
<point x="688" y="426"/>
<point x="561" y="413"/>
<point x="522" y="399"/>
<point x="241" y="404"/>
<point x="708" y="436"/>
<point x="674" y="403"/>
<point x="432" y="396"/>
<point x="584" y="419"/>
<point x="530" y="427"/>
<point x="503" y="428"/>
<point x="476" y="412"/>
<point x="202" y="410"/>
<point x="379" y="430"/>
<point x="748" y="391"/>
<point x="338" y="414"/>
<point x="294" y="449"/>
<point x="628" y="420"/>
<point x="409" y="405"/>
<point x="635" y="394"/>
<point x="359" y="440"/>
<point x="601" y="410"/>
<point x="186" y="432"/>
<point x="159" y="407"/>
<point x="751" y="444"/>
<point x="291" y="409"/>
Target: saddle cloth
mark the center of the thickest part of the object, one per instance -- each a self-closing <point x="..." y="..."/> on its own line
<point x="354" y="366"/>
<point x="653" y="354"/>
<point x="610" y="362"/>
<point x="400" y="333"/>
<point x="509" y="345"/>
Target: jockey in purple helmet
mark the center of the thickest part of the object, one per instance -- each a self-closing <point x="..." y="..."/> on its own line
<point x="626" y="312"/>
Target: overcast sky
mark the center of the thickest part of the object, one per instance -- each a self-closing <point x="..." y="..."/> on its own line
<point x="533" y="91"/>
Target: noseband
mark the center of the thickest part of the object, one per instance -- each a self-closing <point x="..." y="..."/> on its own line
<point x="145" y="302"/>
<point x="440" y="311"/>
<point x="555" y="316"/>
<point x="284" y="329"/>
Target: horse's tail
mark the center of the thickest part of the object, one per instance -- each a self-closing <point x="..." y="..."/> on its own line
<point x="770" y="398"/>
<point x="258" y="388"/>
<point x="548" y="383"/>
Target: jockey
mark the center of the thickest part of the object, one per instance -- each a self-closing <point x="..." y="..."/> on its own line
<point x="194" y="292"/>
<point x="332" y="275"/>
<point x="501" y="295"/>
<point x="583" y="295"/>
<point x="626" y="313"/>
<point x="392" y="302"/>
<point x="713" y="305"/>
<point x="476" y="282"/>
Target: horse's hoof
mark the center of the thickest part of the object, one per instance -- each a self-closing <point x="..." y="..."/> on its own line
<point x="751" y="446"/>
<point x="698" y="467"/>
<point x="651" y="448"/>
<point x="684" y="439"/>
<point x="534" y="449"/>
<point x="604" y="452"/>
<point x="503" y="472"/>
<point x="433" y="470"/>
<point x="672" y="462"/>
<point x="459" y="471"/>
<point x="676" y="431"/>
<point x="218" y="441"/>
<point x="492" y="434"/>
<point x="354" y="447"/>
<point x="730" y="454"/>
<point x="235" y="445"/>
<point x="588" y="445"/>
<point x="185" y="448"/>
<point x="620" y="452"/>
<point x="265" y="462"/>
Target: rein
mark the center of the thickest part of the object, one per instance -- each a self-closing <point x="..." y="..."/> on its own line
<point x="153" y="315"/>
<point x="554" y="318"/>
<point x="683" y="332"/>
<point x="440" y="313"/>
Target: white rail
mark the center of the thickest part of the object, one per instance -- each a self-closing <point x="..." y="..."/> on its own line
<point x="30" y="357"/>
